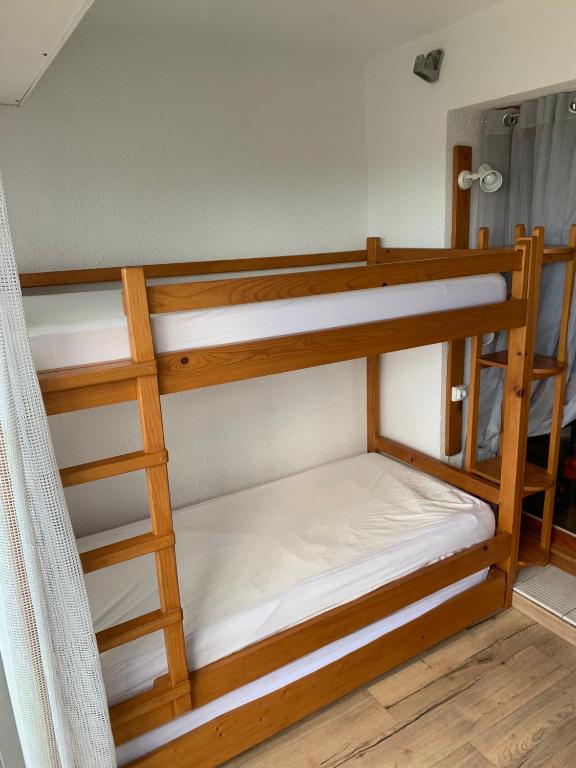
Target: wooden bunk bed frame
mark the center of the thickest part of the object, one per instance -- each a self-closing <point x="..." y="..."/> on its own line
<point x="148" y="375"/>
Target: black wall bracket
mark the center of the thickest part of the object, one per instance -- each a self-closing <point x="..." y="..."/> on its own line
<point x="427" y="65"/>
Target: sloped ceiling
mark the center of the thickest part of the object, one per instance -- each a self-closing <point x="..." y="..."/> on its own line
<point x="33" y="31"/>
<point x="31" y="34"/>
<point x="360" y="27"/>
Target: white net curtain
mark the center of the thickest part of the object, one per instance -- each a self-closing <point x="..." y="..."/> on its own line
<point x="47" y="643"/>
<point x="534" y="147"/>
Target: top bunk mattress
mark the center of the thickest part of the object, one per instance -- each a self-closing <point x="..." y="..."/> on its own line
<point x="259" y="561"/>
<point x="70" y="329"/>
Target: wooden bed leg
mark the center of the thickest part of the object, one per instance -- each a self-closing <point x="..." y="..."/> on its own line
<point x="516" y="396"/>
<point x="373" y="246"/>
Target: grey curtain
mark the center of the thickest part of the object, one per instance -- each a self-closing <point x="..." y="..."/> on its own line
<point x="534" y="147"/>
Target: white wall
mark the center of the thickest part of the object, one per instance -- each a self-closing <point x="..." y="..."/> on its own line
<point x="142" y="148"/>
<point x="137" y="148"/>
<point x="508" y="50"/>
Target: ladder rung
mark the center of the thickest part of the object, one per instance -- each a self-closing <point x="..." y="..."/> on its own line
<point x="128" y="549"/>
<point x="135" y="628"/>
<point x="162" y="693"/>
<point x="90" y="375"/>
<point x="117" y="465"/>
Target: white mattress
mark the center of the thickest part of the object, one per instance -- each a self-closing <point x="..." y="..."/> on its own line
<point x="69" y="329"/>
<point x="264" y="559"/>
<point x="290" y="673"/>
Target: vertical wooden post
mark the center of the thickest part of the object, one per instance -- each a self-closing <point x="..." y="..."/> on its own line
<point x="483" y="240"/>
<point x="148" y="396"/>
<point x="373" y="245"/>
<point x="519" y="232"/>
<point x="462" y="160"/>
<point x="516" y="395"/>
<point x="558" y="402"/>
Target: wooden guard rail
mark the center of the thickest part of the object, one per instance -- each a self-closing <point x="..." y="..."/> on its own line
<point x="187" y="268"/>
<point x="409" y="267"/>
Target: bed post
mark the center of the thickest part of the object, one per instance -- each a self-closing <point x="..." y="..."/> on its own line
<point x="373" y="245"/>
<point x="516" y="401"/>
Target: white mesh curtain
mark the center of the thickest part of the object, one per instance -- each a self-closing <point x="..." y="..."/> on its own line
<point x="535" y="149"/>
<point x="46" y="639"/>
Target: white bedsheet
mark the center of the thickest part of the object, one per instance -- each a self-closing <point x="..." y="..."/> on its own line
<point x="68" y="329"/>
<point x="264" y="559"/>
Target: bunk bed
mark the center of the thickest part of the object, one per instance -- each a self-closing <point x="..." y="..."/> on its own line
<point x="289" y="595"/>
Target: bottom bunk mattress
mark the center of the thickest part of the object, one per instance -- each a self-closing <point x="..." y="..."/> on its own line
<point x="289" y="674"/>
<point x="267" y="558"/>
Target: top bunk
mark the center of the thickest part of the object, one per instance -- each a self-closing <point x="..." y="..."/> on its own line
<point x="280" y="314"/>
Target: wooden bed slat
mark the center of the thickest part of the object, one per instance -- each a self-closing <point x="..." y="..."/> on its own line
<point x="195" y="368"/>
<point x="236" y="731"/>
<point x="181" y="297"/>
<point x="128" y="549"/>
<point x="117" y="465"/>
<point x="131" y="630"/>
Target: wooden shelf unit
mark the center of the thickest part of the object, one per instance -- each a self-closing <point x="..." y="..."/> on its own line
<point x="536" y="479"/>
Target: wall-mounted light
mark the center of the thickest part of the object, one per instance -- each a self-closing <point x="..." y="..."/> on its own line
<point x="489" y="179"/>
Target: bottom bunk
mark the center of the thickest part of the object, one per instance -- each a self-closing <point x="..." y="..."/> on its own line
<point x="254" y="564"/>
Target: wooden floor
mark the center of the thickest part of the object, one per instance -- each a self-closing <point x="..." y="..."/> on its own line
<point x="500" y="695"/>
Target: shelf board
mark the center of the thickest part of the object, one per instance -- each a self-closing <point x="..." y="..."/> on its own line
<point x="535" y="479"/>
<point x="556" y="255"/>
<point x="544" y="367"/>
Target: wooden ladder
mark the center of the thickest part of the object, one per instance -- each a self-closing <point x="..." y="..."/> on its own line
<point x="174" y="688"/>
<point x="536" y="479"/>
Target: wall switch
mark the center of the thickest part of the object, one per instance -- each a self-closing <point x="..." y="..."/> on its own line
<point x="459" y="393"/>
